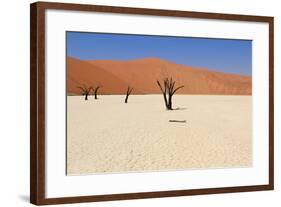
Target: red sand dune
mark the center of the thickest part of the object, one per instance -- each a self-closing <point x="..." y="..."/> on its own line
<point x="81" y="73"/>
<point x="142" y="74"/>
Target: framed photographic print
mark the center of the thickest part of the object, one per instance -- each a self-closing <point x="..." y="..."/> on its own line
<point x="131" y="103"/>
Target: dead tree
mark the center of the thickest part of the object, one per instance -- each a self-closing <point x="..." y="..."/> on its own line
<point x="168" y="89"/>
<point x="85" y="91"/>
<point x="96" y="91"/>
<point x="164" y="91"/>
<point x="129" y="91"/>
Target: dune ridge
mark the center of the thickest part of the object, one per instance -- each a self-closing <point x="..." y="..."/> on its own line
<point x="141" y="74"/>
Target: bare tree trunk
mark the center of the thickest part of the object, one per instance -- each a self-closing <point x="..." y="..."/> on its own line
<point x="170" y="103"/>
<point x="164" y="90"/>
<point x="166" y="101"/>
<point x="96" y="91"/>
<point x="126" y="99"/>
<point x="86" y="96"/>
<point x="129" y="91"/>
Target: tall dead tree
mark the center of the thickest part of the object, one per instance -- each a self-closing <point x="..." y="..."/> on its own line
<point x="85" y="91"/>
<point x="164" y="91"/>
<point x="96" y="91"/>
<point x="168" y="89"/>
<point x="129" y="91"/>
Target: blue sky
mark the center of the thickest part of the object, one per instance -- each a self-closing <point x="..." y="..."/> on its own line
<point x="229" y="56"/>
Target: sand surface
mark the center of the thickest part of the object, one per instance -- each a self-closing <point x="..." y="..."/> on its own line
<point x="107" y="135"/>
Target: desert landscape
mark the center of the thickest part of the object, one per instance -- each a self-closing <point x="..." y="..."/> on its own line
<point x="208" y="125"/>
<point x="109" y="136"/>
<point x="143" y="73"/>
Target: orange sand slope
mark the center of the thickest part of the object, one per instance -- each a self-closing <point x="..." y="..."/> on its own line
<point x="141" y="74"/>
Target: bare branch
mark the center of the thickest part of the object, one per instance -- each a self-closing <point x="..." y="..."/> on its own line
<point x="159" y="84"/>
<point x="85" y="91"/>
<point x="168" y="91"/>
<point x="129" y="91"/>
<point x="166" y="83"/>
<point x="82" y="89"/>
<point x="99" y="86"/>
<point x="177" y="89"/>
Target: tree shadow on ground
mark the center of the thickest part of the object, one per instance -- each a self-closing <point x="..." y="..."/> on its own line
<point x="180" y="108"/>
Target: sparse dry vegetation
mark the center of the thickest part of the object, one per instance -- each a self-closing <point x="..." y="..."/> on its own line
<point x="96" y="91"/>
<point x="85" y="91"/>
<point x="168" y="89"/>
<point x="129" y="91"/>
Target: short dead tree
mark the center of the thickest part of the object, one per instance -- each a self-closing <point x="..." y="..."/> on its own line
<point x="168" y="89"/>
<point x="85" y="91"/>
<point x="95" y="89"/>
<point x="129" y="91"/>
